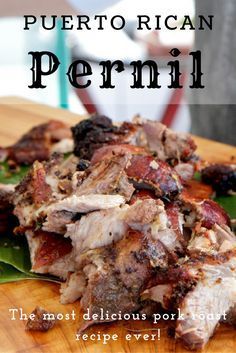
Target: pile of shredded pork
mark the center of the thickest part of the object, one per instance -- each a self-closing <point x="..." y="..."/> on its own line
<point x="123" y="225"/>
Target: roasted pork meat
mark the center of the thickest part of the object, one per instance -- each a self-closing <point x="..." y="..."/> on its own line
<point x="202" y="285"/>
<point x="145" y="171"/>
<point x="108" y="177"/>
<point x="93" y="133"/>
<point x="41" y="320"/>
<point x="50" y="253"/>
<point x="117" y="274"/>
<point x="53" y="198"/>
<point x="98" y="131"/>
<point x="122" y="221"/>
<point x="222" y="178"/>
<point x="96" y="233"/>
<point x="211" y="298"/>
<point x="39" y="142"/>
<point x="102" y="228"/>
<point x="166" y="143"/>
<point x="148" y="173"/>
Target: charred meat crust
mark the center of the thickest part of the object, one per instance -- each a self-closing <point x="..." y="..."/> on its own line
<point x="127" y="268"/>
<point x="52" y="247"/>
<point x="147" y="172"/>
<point x="98" y="131"/>
<point x="93" y="133"/>
<point x="36" y="144"/>
<point x="222" y="177"/>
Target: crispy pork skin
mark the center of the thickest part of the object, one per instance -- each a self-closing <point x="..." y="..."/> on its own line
<point x="147" y="172"/>
<point x="144" y="170"/>
<point x="50" y="253"/>
<point x="212" y="213"/>
<point x="195" y="191"/>
<point x="204" y="213"/>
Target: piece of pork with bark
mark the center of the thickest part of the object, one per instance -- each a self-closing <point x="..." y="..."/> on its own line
<point x="144" y="170"/>
<point x="202" y="213"/>
<point x="222" y="177"/>
<point x="202" y="283"/>
<point x="104" y="186"/>
<point x="64" y="212"/>
<point x="107" y="177"/>
<point x="203" y="289"/>
<point x="50" y="253"/>
<point x="102" y="229"/>
<point x="166" y="143"/>
<point x="53" y="194"/>
<point x="148" y="173"/>
<point x="40" y="142"/>
<point x="118" y="274"/>
<point x="107" y="152"/>
<point x="98" y="131"/>
<point x="32" y="192"/>
<point x="45" y="183"/>
<point x="105" y="227"/>
<point x="212" y="297"/>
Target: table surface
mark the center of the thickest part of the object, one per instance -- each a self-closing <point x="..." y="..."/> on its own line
<point x="16" y="117"/>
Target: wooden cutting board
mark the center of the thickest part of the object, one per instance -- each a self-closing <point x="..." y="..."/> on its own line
<point x="16" y="117"/>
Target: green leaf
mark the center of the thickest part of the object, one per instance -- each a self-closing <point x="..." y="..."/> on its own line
<point x="197" y="176"/>
<point x="228" y="203"/>
<point x="15" y="252"/>
<point x="9" y="273"/>
<point x="15" y="262"/>
<point x="8" y="176"/>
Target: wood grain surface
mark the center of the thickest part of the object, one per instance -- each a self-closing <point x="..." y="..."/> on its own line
<point x="16" y="116"/>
